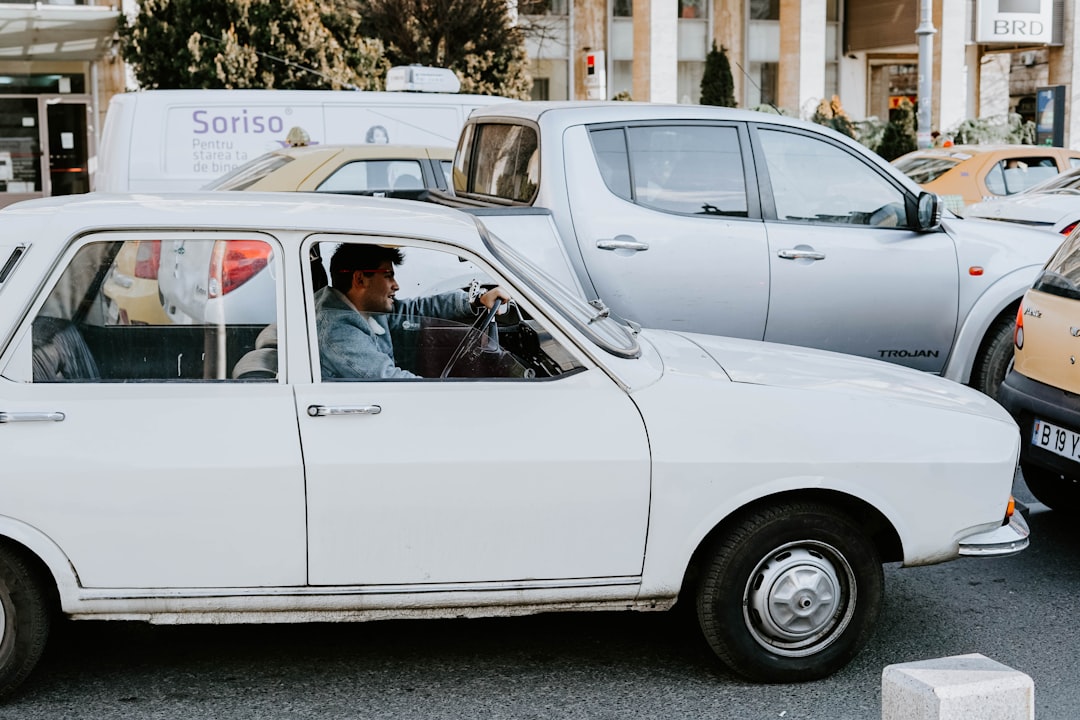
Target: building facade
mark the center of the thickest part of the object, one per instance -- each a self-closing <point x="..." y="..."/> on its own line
<point x="989" y="56"/>
<point x="57" y="70"/>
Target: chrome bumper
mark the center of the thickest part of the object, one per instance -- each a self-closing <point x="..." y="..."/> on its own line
<point x="1001" y="542"/>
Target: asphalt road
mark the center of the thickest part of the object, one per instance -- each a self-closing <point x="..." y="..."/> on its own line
<point x="1019" y="611"/>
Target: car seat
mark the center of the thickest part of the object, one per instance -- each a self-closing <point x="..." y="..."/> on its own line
<point x="408" y="182"/>
<point x="262" y="362"/>
<point x="60" y="353"/>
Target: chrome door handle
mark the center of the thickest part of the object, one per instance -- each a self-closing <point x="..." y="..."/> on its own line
<point x="13" y="417"/>
<point x="323" y="410"/>
<point x="622" y="242"/>
<point x="801" y="255"/>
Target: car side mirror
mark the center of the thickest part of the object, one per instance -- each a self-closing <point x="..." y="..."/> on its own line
<point x="929" y="211"/>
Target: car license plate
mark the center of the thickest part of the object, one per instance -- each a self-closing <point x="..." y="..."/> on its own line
<point x="1060" y="441"/>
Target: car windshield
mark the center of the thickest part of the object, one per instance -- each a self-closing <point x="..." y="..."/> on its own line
<point x="925" y="169"/>
<point x="1061" y="276"/>
<point x="249" y="173"/>
<point x="593" y="319"/>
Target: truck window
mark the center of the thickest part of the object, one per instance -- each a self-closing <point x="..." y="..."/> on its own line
<point x="506" y="162"/>
<point x="688" y="169"/>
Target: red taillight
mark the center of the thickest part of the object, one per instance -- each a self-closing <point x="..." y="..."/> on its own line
<point x="1070" y="227"/>
<point x="147" y="259"/>
<point x="234" y="262"/>
<point x="1018" y="333"/>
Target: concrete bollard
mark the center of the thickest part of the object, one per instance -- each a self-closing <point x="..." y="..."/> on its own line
<point x="962" y="687"/>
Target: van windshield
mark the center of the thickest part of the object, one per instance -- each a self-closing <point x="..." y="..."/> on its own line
<point x="249" y="173"/>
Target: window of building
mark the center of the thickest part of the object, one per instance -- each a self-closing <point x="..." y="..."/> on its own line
<point x="623" y="8"/>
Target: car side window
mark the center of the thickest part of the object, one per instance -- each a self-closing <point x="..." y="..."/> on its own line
<point x="153" y="310"/>
<point x="409" y="314"/>
<point x="688" y="169"/>
<point x="1012" y="175"/>
<point x="369" y="176"/>
<point x="814" y="181"/>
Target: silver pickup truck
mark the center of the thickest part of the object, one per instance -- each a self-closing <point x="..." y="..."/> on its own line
<point x="758" y="226"/>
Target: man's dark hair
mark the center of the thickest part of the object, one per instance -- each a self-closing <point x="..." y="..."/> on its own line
<point x="350" y="257"/>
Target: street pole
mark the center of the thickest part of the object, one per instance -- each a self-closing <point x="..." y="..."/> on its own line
<point x="925" y="34"/>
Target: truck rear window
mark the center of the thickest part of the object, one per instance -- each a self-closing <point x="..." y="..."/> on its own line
<point x="505" y="162"/>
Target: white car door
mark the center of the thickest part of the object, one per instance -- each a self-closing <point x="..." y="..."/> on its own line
<point x="668" y="233"/>
<point x="474" y="480"/>
<point x="847" y="272"/>
<point x="146" y="468"/>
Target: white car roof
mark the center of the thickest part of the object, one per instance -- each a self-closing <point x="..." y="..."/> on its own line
<point x="58" y="218"/>
<point x="578" y="112"/>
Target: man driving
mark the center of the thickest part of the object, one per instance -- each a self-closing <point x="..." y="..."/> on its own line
<point x="356" y="314"/>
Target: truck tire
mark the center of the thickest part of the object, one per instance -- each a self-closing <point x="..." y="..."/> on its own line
<point x="24" y="620"/>
<point x="791" y="593"/>
<point x="995" y="354"/>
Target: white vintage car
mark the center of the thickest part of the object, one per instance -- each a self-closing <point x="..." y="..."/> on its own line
<point x="549" y="457"/>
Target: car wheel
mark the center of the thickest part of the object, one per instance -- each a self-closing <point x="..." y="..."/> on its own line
<point x="24" y="620"/>
<point x="1051" y="488"/>
<point x="791" y="593"/>
<point x="994" y="357"/>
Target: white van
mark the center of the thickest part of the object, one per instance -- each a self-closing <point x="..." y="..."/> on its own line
<point x="162" y="140"/>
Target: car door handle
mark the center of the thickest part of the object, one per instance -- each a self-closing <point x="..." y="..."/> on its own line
<point x="14" y="417"/>
<point x="323" y="410"/>
<point x="622" y="242"/>
<point x="800" y="254"/>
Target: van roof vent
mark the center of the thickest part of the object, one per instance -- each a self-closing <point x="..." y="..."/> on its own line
<point x="421" y="78"/>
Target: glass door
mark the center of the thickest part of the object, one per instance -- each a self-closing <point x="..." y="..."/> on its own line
<point x="68" y="152"/>
<point x="20" y="150"/>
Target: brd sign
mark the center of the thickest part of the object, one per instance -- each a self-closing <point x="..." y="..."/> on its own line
<point x="1015" y="21"/>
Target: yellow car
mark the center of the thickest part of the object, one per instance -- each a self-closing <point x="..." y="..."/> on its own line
<point x="967" y="174"/>
<point x="1042" y="391"/>
<point x="131" y="285"/>
<point x="380" y="170"/>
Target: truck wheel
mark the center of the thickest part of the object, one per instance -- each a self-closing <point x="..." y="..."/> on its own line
<point x="24" y="620"/>
<point x="994" y="357"/>
<point x="790" y="594"/>
<point x="1051" y="488"/>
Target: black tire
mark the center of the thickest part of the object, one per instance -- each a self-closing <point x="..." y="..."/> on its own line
<point x="995" y="354"/>
<point x="805" y="547"/>
<point x="24" y="620"/>
<point x="1052" y="489"/>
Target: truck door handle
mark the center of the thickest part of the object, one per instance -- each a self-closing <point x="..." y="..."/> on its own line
<point x="622" y="242"/>
<point x="323" y="410"/>
<point x="13" y="417"/>
<point x="800" y="254"/>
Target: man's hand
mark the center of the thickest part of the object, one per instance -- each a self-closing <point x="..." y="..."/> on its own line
<point x="496" y="293"/>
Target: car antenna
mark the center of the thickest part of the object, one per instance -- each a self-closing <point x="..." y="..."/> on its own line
<point x="751" y="79"/>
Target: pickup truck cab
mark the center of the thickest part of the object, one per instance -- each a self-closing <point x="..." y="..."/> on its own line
<point x="754" y="225"/>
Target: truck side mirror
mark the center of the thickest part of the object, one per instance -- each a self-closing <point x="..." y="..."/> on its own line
<point x="928" y="211"/>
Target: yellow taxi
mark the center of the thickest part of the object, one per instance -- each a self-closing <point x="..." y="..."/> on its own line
<point x="967" y="174"/>
<point x="1042" y="390"/>
<point x="368" y="169"/>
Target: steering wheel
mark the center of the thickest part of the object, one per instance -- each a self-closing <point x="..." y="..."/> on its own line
<point x="474" y="335"/>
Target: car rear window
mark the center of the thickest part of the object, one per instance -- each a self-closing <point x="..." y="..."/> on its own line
<point x="505" y="162"/>
<point x="370" y="176"/>
<point x="1061" y="276"/>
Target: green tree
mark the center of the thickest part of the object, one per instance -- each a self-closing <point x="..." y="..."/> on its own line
<point x="475" y="38"/>
<point x="247" y="44"/>
<point x="899" y="135"/>
<point x="717" y="84"/>
<point x="831" y="114"/>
